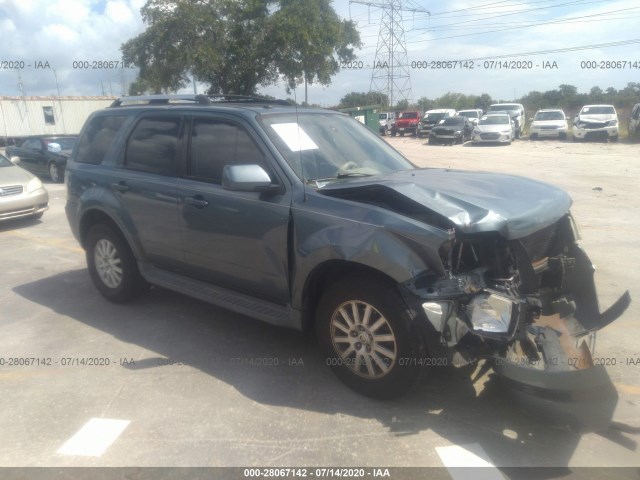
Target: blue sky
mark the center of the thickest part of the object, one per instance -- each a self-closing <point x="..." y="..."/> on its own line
<point x="61" y="32"/>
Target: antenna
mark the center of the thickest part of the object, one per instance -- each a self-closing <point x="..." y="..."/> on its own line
<point x="390" y="73"/>
<point x="304" y="180"/>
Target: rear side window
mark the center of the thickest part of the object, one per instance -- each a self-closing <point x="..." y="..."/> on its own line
<point x="98" y="137"/>
<point x="216" y="143"/>
<point x="153" y="146"/>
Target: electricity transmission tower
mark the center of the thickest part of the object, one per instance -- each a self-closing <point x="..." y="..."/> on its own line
<point x="390" y="73"/>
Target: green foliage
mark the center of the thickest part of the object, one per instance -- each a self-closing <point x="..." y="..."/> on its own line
<point x="362" y="99"/>
<point x="236" y="45"/>
<point x="402" y="104"/>
<point x="568" y="98"/>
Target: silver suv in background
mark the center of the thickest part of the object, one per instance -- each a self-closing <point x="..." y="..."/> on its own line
<point x="473" y="115"/>
<point x="515" y="111"/>
<point x="596" y="122"/>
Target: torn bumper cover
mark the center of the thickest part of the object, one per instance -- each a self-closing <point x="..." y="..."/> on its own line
<point x="529" y="307"/>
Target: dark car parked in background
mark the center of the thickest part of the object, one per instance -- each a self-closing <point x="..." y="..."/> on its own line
<point x="43" y="154"/>
<point x="305" y="218"/>
<point x="451" y="130"/>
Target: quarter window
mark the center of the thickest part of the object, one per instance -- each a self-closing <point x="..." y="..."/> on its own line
<point x="153" y="146"/>
<point x="98" y="137"/>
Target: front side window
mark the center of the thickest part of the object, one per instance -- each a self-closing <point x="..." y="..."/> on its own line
<point x="216" y="143"/>
<point x="153" y="145"/>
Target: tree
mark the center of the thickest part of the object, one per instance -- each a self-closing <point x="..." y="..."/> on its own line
<point x="362" y="99"/>
<point x="402" y="104"/>
<point x="236" y="45"/>
<point x="313" y="41"/>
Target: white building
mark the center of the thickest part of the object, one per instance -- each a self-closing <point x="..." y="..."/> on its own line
<point x="23" y="116"/>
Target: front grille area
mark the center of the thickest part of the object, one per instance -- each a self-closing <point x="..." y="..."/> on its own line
<point x="595" y="124"/>
<point x="548" y="127"/>
<point x="538" y="244"/>
<point x="11" y="190"/>
<point x="489" y="136"/>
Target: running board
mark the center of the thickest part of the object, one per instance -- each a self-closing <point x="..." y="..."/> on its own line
<point x="279" y="315"/>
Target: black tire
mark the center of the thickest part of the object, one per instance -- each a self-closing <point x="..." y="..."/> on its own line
<point x="37" y="216"/>
<point x="614" y="138"/>
<point x="431" y="141"/>
<point x="56" y="173"/>
<point x="393" y="133"/>
<point x="402" y="134"/>
<point x="120" y="280"/>
<point x="533" y="136"/>
<point x="360" y="363"/>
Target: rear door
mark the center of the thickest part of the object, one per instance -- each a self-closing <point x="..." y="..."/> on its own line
<point x="237" y="240"/>
<point x="146" y="187"/>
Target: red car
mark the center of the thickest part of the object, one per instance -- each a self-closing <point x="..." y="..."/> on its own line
<point x="407" y="122"/>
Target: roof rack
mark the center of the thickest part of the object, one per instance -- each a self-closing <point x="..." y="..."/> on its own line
<point x="192" y="99"/>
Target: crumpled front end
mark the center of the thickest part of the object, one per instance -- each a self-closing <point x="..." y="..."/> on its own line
<point x="529" y="307"/>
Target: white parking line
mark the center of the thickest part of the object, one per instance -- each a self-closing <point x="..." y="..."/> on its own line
<point x="468" y="462"/>
<point x="94" y="438"/>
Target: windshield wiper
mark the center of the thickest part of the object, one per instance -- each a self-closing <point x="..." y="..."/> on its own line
<point x="338" y="177"/>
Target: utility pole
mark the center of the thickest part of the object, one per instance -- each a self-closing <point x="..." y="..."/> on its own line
<point x="390" y="73"/>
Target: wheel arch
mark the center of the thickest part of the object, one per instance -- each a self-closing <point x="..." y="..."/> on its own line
<point x="95" y="216"/>
<point x="329" y="272"/>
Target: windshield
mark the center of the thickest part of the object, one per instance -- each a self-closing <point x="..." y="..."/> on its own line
<point x="434" y="117"/>
<point x="494" y="120"/>
<point x="328" y="146"/>
<point x="514" y="110"/>
<point x="541" y="116"/>
<point x="603" y="110"/>
<point x="4" y="161"/>
<point x="452" y="121"/>
<point x="471" y="114"/>
<point x="409" y="115"/>
<point x="65" y="143"/>
<point x="383" y="116"/>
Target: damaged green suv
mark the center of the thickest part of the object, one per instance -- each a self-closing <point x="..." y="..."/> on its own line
<point x="305" y="219"/>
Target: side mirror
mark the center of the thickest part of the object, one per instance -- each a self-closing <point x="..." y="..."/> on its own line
<point x="245" y="178"/>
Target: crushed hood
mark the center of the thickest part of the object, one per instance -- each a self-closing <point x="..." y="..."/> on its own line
<point x="598" y="117"/>
<point x="471" y="201"/>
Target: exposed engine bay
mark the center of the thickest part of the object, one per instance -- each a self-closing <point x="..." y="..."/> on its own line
<point x="528" y="306"/>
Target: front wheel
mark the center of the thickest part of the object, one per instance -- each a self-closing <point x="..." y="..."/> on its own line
<point x="112" y="266"/>
<point x="365" y="332"/>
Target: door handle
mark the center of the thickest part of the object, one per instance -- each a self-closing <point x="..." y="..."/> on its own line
<point x="196" y="201"/>
<point x="120" y="186"/>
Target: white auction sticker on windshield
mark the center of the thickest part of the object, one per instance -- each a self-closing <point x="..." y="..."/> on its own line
<point x="294" y="136"/>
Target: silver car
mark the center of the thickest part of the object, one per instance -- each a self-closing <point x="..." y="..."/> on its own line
<point x="21" y="193"/>
<point x="494" y="128"/>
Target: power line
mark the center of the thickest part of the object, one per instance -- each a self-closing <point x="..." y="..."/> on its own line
<point x="390" y="74"/>
<point x="524" y="26"/>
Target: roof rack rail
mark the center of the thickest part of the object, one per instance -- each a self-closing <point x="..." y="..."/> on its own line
<point x="194" y="99"/>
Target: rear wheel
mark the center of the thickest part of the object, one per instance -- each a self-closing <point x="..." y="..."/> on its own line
<point x="365" y="332"/>
<point x="112" y="266"/>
